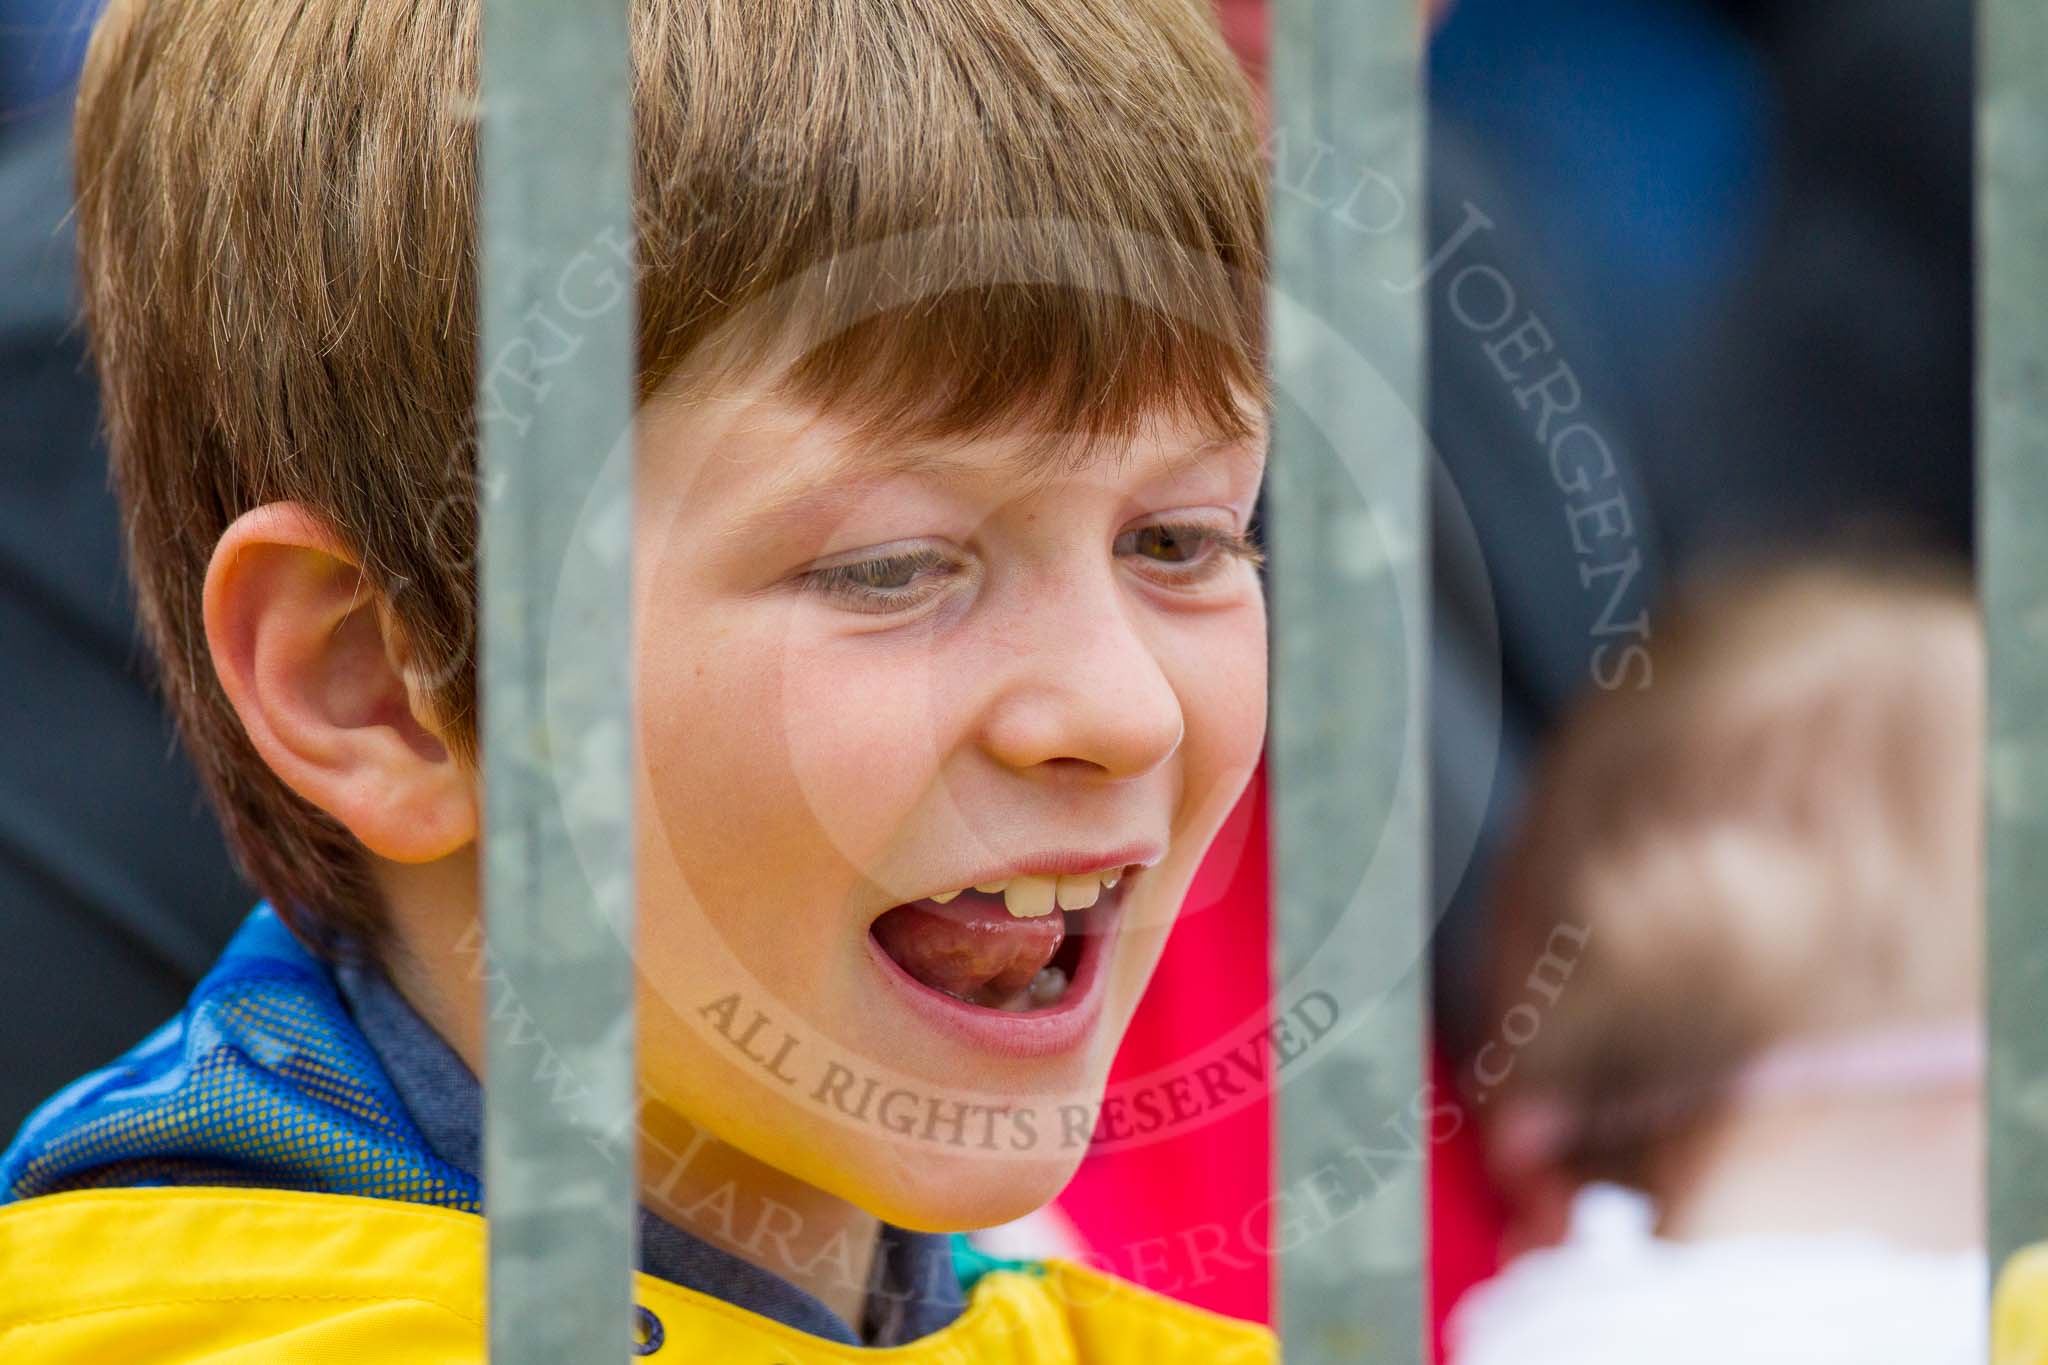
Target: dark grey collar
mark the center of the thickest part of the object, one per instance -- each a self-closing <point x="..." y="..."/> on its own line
<point x="914" y="1290"/>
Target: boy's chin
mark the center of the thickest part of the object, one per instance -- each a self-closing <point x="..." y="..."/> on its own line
<point x="964" y="1193"/>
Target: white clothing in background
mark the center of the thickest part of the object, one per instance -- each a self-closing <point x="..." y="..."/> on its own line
<point x="1613" y="1293"/>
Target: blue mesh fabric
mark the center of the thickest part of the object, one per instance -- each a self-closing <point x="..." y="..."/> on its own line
<point x="263" y="1080"/>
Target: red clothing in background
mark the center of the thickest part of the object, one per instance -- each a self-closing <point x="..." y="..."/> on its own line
<point x="1184" y="1213"/>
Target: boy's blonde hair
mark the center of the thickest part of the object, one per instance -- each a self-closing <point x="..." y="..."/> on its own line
<point x="1778" y="838"/>
<point x="1055" y="208"/>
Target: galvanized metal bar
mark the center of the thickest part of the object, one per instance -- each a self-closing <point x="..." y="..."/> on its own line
<point x="555" y="407"/>
<point x="1348" y="538"/>
<point x="2013" y="564"/>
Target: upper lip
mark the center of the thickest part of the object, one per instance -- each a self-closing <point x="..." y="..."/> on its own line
<point x="1064" y="863"/>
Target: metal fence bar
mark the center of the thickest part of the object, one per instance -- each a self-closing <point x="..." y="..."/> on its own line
<point x="2013" y="563"/>
<point x="555" y="409"/>
<point x="1349" y="597"/>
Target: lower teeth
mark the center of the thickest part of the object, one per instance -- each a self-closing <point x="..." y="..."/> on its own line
<point x="1045" y="989"/>
<point x="1048" y="986"/>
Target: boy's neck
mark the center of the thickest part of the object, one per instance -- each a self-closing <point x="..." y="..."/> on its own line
<point x="815" y="1241"/>
<point x="1831" y="1165"/>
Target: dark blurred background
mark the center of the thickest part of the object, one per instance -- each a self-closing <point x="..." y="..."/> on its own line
<point x="115" y="888"/>
<point x="1747" y="222"/>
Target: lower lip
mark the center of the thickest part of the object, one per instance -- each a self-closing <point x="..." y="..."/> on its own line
<point x="1040" y="1033"/>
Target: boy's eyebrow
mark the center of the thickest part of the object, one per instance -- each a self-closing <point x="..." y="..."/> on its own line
<point x="797" y="492"/>
<point x="1221" y="449"/>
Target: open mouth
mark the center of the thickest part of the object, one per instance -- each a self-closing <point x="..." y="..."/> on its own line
<point x="1016" y="945"/>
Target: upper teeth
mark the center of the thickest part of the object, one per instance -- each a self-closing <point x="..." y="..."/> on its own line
<point x="1026" y="897"/>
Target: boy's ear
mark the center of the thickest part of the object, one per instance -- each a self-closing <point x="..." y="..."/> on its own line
<point x="313" y="662"/>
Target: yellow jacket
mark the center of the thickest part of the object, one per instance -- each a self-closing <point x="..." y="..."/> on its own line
<point x="2019" y="1310"/>
<point x="181" y="1276"/>
<point x="246" y="1186"/>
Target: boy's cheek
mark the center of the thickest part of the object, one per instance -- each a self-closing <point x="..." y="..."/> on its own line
<point x="1221" y="677"/>
<point x="863" y="735"/>
<point x="755" y="740"/>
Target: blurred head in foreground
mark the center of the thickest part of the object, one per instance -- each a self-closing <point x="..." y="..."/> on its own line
<point x="1737" y="955"/>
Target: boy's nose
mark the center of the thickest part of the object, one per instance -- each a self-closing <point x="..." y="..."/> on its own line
<point x="1081" y="686"/>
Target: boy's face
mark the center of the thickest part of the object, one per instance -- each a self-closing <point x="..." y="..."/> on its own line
<point x="872" y="678"/>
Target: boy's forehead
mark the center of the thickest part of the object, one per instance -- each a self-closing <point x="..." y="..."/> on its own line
<point x="762" y="457"/>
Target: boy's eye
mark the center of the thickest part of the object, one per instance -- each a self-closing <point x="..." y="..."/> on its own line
<point x="1184" y="553"/>
<point x="1169" y="543"/>
<point x="883" y="583"/>
<point x="879" y="575"/>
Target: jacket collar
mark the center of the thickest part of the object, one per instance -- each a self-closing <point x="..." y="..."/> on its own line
<point x="915" y="1289"/>
<point x="284" y="1073"/>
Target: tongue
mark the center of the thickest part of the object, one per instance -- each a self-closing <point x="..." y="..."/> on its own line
<point x="972" y="947"/>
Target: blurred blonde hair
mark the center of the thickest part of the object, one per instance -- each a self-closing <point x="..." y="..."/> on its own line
<point x="1779" y="838"/>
